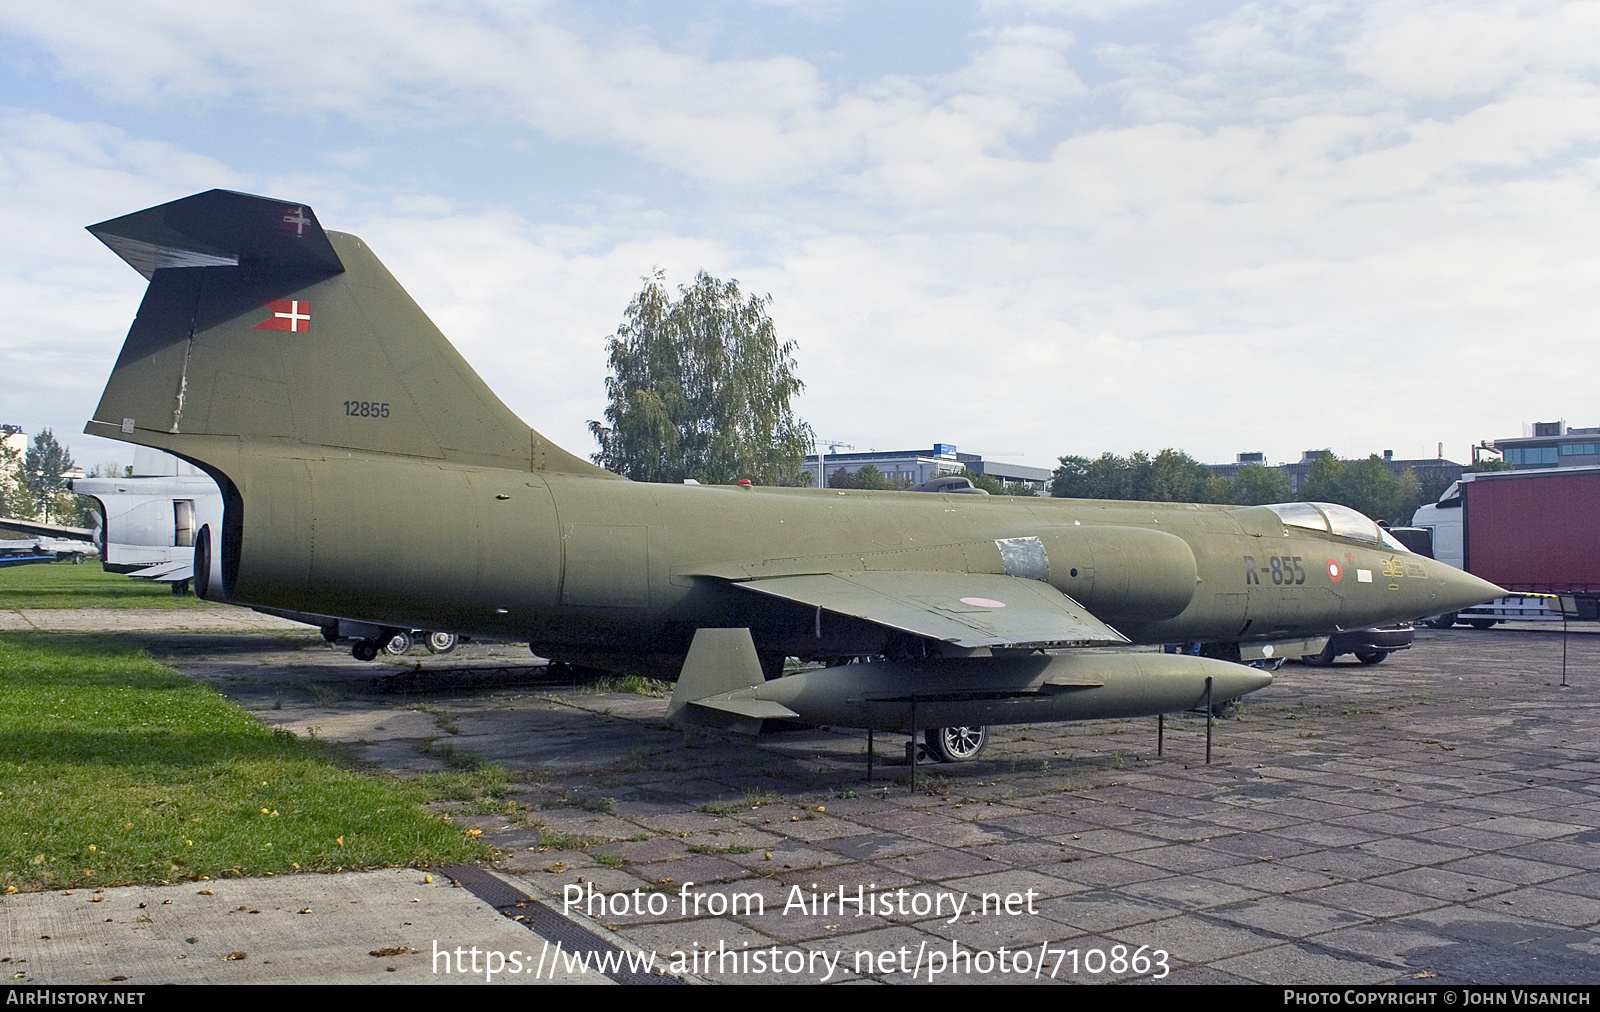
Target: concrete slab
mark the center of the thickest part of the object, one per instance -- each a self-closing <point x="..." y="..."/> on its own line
<point x="379" y="927"/>
<point x="209" y="618"/>
<point x="1336" y="839"/>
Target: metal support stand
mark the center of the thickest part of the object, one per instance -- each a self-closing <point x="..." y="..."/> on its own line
<point x="913" y="743"/>
<point x="1161" y="731"/>
<point x="869" y="755"/>
<point x="1563" y="645"/>
<point x="1208" y="720"/>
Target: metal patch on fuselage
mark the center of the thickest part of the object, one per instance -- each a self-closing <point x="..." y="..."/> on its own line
<point x="1024" y="558"/>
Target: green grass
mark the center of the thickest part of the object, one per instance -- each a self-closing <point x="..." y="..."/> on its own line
<point x="117" y="769"/>
<point x="569" y="841"/>
<point x="85" y="585"/>
<point x="752" y="799"/>
<point x="636" y="684"/>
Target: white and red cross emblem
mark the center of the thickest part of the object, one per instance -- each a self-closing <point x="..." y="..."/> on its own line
<point x="295" y="221"/>
<point x="287" y="314"/>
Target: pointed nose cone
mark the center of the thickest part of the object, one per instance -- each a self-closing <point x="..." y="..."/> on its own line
<point x="1459" y="590"/>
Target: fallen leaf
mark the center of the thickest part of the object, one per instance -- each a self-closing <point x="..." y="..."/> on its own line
<point x="233" y="956"/>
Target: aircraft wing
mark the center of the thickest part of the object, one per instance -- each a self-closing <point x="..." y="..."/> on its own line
<point x="46" y="530"/>
<point x="965" y="609"/>
<point x="165" y="572"/>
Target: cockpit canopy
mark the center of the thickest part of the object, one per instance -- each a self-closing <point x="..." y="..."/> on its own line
<point x="1340" y="520"/>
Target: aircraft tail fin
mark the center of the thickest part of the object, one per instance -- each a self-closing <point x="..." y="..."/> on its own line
<point x="261" y="328"/>
<point x="719" y="661"/>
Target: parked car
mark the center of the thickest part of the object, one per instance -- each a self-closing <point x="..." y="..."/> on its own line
<point x="1370" y="645"/>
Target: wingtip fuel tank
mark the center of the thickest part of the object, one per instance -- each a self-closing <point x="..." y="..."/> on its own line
<point x="722" y="685"/>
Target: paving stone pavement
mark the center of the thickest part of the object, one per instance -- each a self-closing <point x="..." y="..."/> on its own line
<point x="1434" y="818"/>
<point x="202" y="618"/>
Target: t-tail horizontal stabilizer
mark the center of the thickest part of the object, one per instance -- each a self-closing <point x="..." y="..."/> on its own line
<point x="221" y="228"/>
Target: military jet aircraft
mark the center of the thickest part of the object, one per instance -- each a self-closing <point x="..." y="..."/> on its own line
<point x="346" y="433"/>
<point x="45" y="542"/>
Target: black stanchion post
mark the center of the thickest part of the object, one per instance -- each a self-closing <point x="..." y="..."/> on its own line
<point x="1161" y="731"/>
<point x="1208" y="720"/>
<point x="913" y="743"/>
<point x="869" y="755"/>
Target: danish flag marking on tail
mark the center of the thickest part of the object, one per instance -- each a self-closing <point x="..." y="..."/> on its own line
<point x="296" y="220"/>
<point x="287" y="314"/>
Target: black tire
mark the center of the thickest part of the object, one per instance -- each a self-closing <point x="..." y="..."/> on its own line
<point x="1225" y="709"/>
<point x="1322" y="660"/>
<point x="441" y="642"/>
<point x="330" y="632"/>
<point x="1371" y="656"/>
<point x="956" y="744"/>
<point x="1444" y="621"/>
<point x="366" y="650"/>
<point x="1483" y="623"/>
<point x="399" y="643"/>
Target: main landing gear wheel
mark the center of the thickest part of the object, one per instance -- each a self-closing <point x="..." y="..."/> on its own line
<point x="441" y="642"/>
<point x="1444" y="621"/>
<point x="956" y="744"/>
<point x="366" y="650"/>
<point x="399" y="643"/>
<point x="1483" y="623"/>
<point x="1371" y="656"/>
<point x="1322" y="660"/>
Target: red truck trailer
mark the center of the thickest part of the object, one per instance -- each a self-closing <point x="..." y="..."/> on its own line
<point x="1531" y="532"/>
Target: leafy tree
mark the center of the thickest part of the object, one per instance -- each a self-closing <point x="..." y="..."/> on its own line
<point x="15" y="500"/>
<point x="51" y="500"/>
<point x="994" y="486"/>
<point x="700" y="388"/>
<point x="1071" y="480"/>
<point x="841" y="478"/>
<point x="1257" y="485"/>
<point x="1432" y="485"/>
<point x="1490" y="465"/>
<point x="869" y="478"/>
<point x="1364" y="485"/>
<point x="1169" y="476"/>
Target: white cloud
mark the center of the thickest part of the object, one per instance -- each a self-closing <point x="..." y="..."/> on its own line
<point x="1444" y="50"/>
<point x="1269" y="232"/>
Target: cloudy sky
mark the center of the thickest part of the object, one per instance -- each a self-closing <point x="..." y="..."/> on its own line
<point x="1028" y="228"/>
